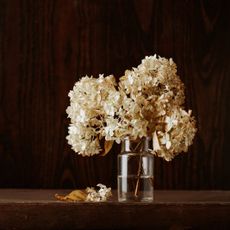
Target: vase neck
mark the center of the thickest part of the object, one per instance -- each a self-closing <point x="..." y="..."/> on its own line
<point x="140" y="145"/>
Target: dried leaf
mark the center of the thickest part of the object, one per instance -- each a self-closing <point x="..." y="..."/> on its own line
<point x="107" y="147"/>
<point x="156" y="145"/>
<point x="76" y="195"/>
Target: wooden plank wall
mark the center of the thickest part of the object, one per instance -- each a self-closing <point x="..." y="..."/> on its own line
<point x="46" y="45"/>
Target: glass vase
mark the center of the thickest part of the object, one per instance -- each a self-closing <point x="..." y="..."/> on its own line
<point x="135" y="171"/>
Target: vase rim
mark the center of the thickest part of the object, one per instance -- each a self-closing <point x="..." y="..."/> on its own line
<point x="138" y="139"/>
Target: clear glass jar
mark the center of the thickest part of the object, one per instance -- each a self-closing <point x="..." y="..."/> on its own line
<point x="135" y="171"/>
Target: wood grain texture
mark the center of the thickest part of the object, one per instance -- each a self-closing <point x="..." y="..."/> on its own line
<point x="37" y="209"/>
<point x="47" y="45"/>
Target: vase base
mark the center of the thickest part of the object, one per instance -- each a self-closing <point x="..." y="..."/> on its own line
<point x="135" y="189"/>
<point x="136" y="200"/>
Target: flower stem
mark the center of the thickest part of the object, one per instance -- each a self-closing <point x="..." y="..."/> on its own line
<point x="138" y="178"/>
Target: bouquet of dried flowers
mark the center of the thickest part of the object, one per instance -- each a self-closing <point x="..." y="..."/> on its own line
<point x="146" y="102"/>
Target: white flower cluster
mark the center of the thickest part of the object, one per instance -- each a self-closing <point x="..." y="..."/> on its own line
<point x="148" y="101"/>
<point x="97" y="196"/>
<point x="93" y="102"/>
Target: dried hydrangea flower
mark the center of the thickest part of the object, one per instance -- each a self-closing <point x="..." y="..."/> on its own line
<point x="179" y="137"/>
<point x="92" y="102"/>
<point x="97" y="196"/>
<point x="148" y="101"/>
<point x="152" y="106"/>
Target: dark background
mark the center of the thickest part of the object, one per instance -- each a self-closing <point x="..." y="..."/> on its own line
<point x="46" y="45"/>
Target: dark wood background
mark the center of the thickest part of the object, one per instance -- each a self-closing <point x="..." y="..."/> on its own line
<point x="46" y="45"/>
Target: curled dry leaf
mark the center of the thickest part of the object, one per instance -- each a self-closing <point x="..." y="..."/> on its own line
<point x="89" y="194"/>
<point x="76" y="195"/>
<point x="107" y="147"/>
<point x="156" y="145"/>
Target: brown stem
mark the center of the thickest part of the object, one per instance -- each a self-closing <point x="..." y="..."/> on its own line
<point x="138" y="178"/>
<point x="139" y="167"/>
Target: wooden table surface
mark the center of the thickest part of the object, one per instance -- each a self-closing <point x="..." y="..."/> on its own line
<point x="38" y="209"/>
